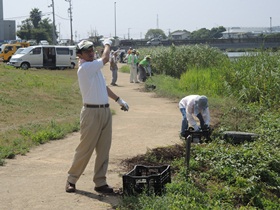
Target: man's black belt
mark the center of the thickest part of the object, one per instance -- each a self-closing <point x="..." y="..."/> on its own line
<point x="96" y="105"/>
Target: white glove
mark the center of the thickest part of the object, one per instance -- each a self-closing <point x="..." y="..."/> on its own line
<point x="107" y="41"/>
<point x="123" y="104"/>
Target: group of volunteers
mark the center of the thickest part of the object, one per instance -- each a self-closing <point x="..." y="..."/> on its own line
<point x="139" y="69"/>
<point x="96" y="116"/>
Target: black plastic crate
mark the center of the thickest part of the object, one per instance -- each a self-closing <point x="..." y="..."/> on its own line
<point x="146" y="179"/>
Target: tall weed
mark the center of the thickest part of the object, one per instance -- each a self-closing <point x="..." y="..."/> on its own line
<point x="206" y="81"/>
<point x="256" y="79"/>
<point x="176" y="60"/>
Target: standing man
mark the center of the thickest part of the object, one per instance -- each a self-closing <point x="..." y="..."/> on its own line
<point x="194" y="106"/>
<point x="114" y="67"/>
<point x="132" y="60"/>
<point x="95" y="118"/>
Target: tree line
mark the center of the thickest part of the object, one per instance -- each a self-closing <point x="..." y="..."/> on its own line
<point x="37" y="28"/>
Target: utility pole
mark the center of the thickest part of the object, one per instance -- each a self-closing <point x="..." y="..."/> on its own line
<point x="157" y="21"/>
<point x="54" y="36"/>
<point x="115" y="22"/>
<point x="59" y="35"/>
<point x="270" y="24"/>
<point x="71" y="19"/>
<point x="1" y="10"/>
<point x="128" y="37"/>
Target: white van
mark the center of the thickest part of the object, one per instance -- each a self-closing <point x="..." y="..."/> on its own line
<point x="73" y="56"/>
<point x="43" y="56"/>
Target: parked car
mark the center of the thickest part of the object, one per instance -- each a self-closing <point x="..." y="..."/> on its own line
<point x="43" y="42"/>
<point x="19" y="50"/>
<point x="44" y="56"/>
<point x="154" y="42"/>
<point x="73" y="56"/>
<point x="32" y="42"/>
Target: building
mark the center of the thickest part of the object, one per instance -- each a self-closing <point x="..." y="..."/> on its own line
<point x="7" y="27"/>
<point x="180" y="35"/>
<point x="248" y="32"/>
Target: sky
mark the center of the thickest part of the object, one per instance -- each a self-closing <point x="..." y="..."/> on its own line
<point x="128" y="18"/>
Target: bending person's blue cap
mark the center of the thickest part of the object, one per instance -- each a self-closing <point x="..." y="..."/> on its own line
<point x="200" y="104"/>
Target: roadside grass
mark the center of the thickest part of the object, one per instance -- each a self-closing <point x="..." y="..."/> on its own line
<point x="36" y="106"/>
<point x="124" y="68"/>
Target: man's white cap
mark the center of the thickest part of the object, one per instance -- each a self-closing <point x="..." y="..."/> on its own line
<point x="84" y="45"/>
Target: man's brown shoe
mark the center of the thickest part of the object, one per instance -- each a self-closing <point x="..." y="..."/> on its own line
<point x="104" y="189"/>
<point x="70" y="187"/>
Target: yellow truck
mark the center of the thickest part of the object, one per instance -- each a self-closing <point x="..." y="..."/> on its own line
<point x="7" y="50"/>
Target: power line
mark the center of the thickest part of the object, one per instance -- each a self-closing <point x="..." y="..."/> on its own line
<point x="44" y="14"/>
<point x="62" y="17"/>
<point x="26" y="16"/>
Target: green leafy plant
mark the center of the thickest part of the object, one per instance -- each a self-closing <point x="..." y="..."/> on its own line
<point x="222" y="175"/>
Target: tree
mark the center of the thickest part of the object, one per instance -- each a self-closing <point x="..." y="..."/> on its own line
<point x="204" y="33"/>
<point x="25" y="30"/>
<point x="46" y="27"/>
<point x="216" y="33"/>
<point x="35" y="17"/>
<point x="154" y="33"/>
<point x="35" y="27"/>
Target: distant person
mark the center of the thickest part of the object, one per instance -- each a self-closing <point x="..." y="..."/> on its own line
<point x="138" y="58"/>
<point x="122" y="56"/>
<point x="97" y="55"/>
<point x="194" y="106"/>
<point x="114" y="67"/>
<point x="95" y="118"/>
<point x="143" y="65"/>
<point x="129" y="51"/>
<point x="131" y="61"/>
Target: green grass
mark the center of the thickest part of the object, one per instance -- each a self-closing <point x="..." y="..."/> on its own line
<point x="125" y="69"/>
<point x="244" y="95"/>
<point x="36" y="106"/>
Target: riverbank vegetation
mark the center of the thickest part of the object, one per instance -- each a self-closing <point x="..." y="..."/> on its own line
<point x="222" y="175"/>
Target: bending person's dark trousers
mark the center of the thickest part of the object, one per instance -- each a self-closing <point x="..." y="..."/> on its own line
<point x="142" y="73"/>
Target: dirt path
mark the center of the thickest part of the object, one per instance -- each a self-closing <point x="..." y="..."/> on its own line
<point x="37" y="180"/>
